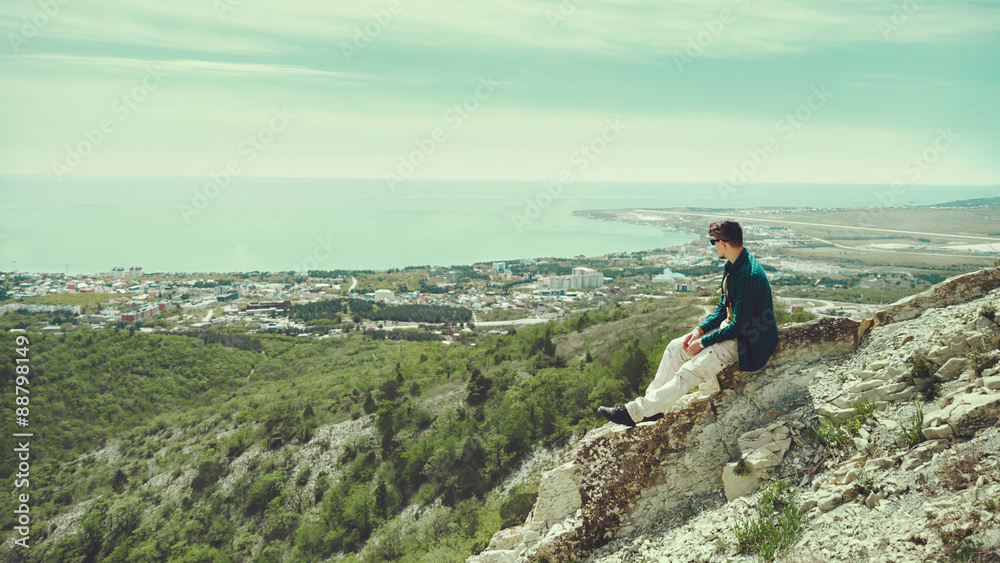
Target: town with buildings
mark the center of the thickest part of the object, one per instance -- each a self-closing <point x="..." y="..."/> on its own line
<point x="499" y="294"/>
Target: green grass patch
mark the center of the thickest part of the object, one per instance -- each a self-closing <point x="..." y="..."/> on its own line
<point x="913" y="429"/>
<point x="778" y="524"/>
<point x="835" y="433"/>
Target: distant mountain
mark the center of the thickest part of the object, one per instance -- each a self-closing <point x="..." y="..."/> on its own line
<point x="990" y="201"/>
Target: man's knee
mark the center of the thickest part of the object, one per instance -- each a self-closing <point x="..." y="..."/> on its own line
<point x="675" y="346"/>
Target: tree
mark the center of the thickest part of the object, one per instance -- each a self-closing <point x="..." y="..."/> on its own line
<point x="478" y="388"/>
<point x="629" y="364"/>
<point x="119" y="482"/>
<point x="370" y="405"/>
<point x="543" y="344"/>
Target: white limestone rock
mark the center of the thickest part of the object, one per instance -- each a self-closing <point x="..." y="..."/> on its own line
<point x="833" y="412"/>
<point x="971" y="412"/>
<point x="879" y="463"/>
<point x="938" y="432"/>
<point x="951" y="369"/>
<point x="867" y="374"/>
<point x="897" y="372"/>
<point x="736" y="486"/>
<point x="986" y="325"/>
<point x="506" y="556"/>
<point x="558" y="494"/>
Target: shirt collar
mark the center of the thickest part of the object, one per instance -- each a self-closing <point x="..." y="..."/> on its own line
<point x="738" y="263"/>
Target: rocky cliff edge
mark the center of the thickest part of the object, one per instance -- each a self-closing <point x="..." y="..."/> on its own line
<point x="666" y="490"/>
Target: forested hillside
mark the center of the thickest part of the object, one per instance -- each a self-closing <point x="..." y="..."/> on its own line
<point x="230" y="447"/>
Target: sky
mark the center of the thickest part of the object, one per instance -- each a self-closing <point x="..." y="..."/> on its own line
<point x="839" y="91"/>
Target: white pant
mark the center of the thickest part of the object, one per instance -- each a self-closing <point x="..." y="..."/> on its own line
<point x="679" y="372"/>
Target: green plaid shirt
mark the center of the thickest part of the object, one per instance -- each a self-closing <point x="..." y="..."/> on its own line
<point x="753" y="324"/>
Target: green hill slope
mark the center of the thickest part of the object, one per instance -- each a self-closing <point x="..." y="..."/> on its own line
<point x="154" y="447"/>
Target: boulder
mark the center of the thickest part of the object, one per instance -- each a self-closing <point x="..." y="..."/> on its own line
<point x="737" y="486"/>
<point x="611" y="469"/>
<point x="938" y="432"/>
<point x="558" y="494"/>
<point x="969" y="413"/>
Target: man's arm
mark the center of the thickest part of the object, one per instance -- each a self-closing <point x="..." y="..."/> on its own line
<point x="745" y="291"/>
<point x="693" y="341"/>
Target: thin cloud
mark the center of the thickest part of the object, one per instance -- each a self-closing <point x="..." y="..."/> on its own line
<point x="256" y="70"/>
<point x="623" y="28"/>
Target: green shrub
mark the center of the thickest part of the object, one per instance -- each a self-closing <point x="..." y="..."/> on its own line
<point x="913" y="430"/>
<point x="303" y="477"/>
<point x="515" y="509"/>
<point x="833" y="433"/>
<point x="988" y="311"/>
<point x="868" y="482"/>
<point x="320" y="487"/>
<point x="263" y="492"/>
<point x="238" y="443"/>
<point x="208" y="469"/>
<point x="778" y="523"/>
<point x="742" y="468"/>
<point x="864" y="410"/>
<point x="981" y="361"/>
<point x="922" y="368"/>
<point x="829" y="432"/>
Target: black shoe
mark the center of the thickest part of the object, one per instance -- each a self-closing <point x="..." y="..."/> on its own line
<point x="618" y="415"/>
<point x="653" y="418"/>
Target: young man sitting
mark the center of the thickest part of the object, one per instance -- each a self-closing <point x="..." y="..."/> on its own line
<point x="746" y="332"/>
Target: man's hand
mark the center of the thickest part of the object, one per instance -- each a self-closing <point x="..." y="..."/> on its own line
<point x="691" y="337"/>
<point x="695" y="347"/>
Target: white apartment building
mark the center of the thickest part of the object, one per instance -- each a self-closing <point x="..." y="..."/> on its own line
<point x="579" y="279"/>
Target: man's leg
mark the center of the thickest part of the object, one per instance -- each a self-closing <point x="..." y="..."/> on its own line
<point x="708" y="363"/>
<point x="674" y="357"/>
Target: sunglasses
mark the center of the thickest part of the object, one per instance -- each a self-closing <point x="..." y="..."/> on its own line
<point x="712" y="241"/>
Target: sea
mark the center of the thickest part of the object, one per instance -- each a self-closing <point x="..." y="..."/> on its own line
<point x="89" y="225"/>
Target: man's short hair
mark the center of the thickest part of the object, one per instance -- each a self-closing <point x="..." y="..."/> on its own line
<point x="727" y="230"/>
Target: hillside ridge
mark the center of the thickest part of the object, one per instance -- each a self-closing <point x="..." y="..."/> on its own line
<point x="622" y="485"/>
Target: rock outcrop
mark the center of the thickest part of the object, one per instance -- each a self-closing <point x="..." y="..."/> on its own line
<point x="958" y="289"/>
<point x="621" y="480"/>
